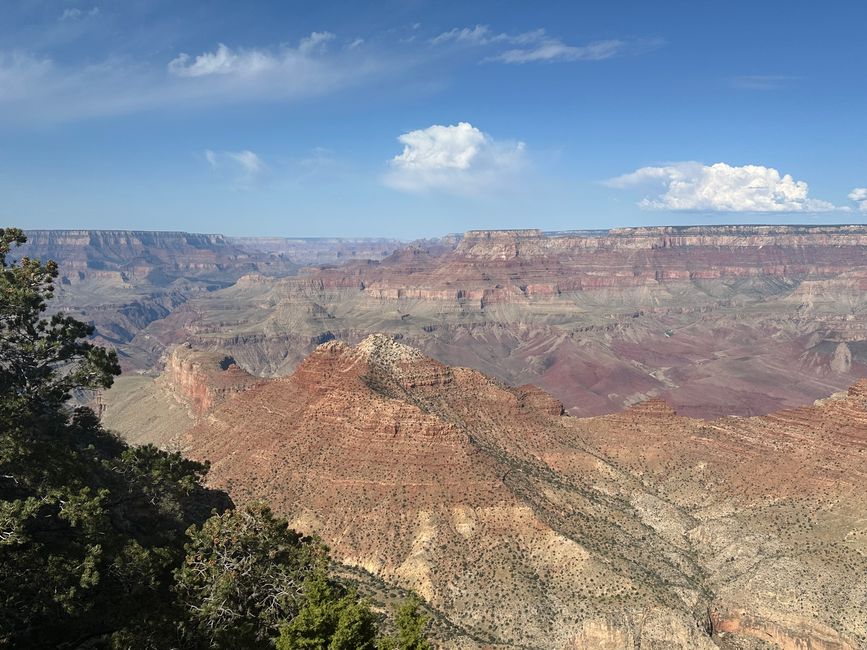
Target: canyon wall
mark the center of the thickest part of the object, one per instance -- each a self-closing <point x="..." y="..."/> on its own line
<point x="715" y="319"/>
<point x="313" y="251"/>
<point x="155" y="257"/>
<point x="640" y="529"/>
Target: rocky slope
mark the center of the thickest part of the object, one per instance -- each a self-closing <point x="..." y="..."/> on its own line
<point x="528" y="528"/>
<point x="714" y="319"/>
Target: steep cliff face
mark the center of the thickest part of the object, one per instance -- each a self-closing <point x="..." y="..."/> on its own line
<point x="642" y="529"/>
<point x="704" y="317"/>
<point x="138" y="256"/>
<point x="121" y="281"/>
<point x="204" y="380"/>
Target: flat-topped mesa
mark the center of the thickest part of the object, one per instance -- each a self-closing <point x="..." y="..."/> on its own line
<point x="203" y="380"/>
<point x="739" y="229"/>
<point x="529" y="243"/>
<point x="496" y="244"/>
<point x="125" y="238"/>
<point x="737" y="236"/>
<point x="142" y="254"/>
<point x="503" y="234"/>
<point x="320" y="250"/>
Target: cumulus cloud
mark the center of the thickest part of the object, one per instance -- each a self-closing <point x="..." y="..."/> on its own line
<point x="859" y="195"/>
<point x="457" y="159"/>
<point x="537" y="45"/>
<point x="694" y="186"/>
<point x="243" y="168"/>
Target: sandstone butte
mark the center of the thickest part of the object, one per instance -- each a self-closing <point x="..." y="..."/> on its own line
<point x="523" y="527"/>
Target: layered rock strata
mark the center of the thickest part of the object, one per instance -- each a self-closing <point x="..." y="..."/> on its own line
<point x="643" y="529"/>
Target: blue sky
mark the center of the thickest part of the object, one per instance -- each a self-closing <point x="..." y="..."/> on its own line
<point x="417" y="118"/>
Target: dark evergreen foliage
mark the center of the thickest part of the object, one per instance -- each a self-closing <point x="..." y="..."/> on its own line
<point x="107" y="545"/>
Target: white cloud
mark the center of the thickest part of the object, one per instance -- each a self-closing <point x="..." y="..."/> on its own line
<point x="478" y="35"/>
<point x="244" y="168"/>
<point x="859" y="195"/>
<point x="536" y="45"/>
<point x="314" y="42"/>
<point x="458" y="159"/>
<point x="552" y="49"/>
<point x="722" y="188"/>
<point x="225" y="61"/>
<point x="74" y="13"/>
<point x="38" y="88"/>
<point x="18" y="71"/>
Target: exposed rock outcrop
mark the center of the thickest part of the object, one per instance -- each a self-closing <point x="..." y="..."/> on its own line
<point x="643" y="529"/>
<point x="203" y="380"/>
<point x="702" y="317"/>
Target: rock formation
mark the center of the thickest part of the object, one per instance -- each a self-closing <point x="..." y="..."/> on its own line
<point x="314" y="251"/>
<point x="714" y="319"/>
<point x="528" y="528"/>
<point x="203" y="380"/>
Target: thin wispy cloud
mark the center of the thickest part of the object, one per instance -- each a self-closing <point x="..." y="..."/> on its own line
<point x="552" y="49"/>
<point x="478" y="35"/>
<point x="74" y="13"/>
<point x="538" y="46"/>
<point x="39" y="88"/>
<point x="455" y="159"/>
<point x="243" y="169"/>
<point x="693" y="186"/>
<point x="44" y="88"/>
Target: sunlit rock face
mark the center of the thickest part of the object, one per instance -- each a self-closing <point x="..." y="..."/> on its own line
<point x="716" y="320"/>
<point x="524" y="526"/>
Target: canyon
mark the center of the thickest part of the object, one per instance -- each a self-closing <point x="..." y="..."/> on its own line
<point x="640" y="529"/>
<point x="716" y="320"/>
<point x="639" y="437"/>
<point x="121" y="280"/>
